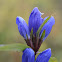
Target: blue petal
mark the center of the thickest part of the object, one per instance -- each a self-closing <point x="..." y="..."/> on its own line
<point x="44" y="56"/>
<point x="22" y="27"/>
<point x="35" y="20"/>
<point x="47" y="27"/>
<point x="28" y="55"/>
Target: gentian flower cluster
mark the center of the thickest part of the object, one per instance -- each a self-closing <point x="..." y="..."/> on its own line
<point x="34" y="34"/>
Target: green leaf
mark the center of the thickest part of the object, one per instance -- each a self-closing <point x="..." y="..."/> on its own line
<point x="43" y="34"/>
<point x="13" y="47"/>
<point x="53" y="59"/>
<point x="42" y="25"/>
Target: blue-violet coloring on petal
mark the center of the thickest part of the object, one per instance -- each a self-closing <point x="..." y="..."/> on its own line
<point x="22" y="27"/>
<point x="44" y="56"/>
<point x="28" y="55"/>
<point x="35" y="20"/>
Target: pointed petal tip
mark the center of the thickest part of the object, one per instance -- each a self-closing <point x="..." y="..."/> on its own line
<point x="52" y="16"/>
<point x="53" y="19"/>
<point x="19" y="19"/>
<point x="37" y="10"/>
<point x="28" y="50"/>
<point x="49" y="49"/>
<point x="48" y="52"/>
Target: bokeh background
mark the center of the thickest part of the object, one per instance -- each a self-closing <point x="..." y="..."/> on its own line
<point x="10" y="9"/>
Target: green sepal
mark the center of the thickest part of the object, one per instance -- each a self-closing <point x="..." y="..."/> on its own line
<point x="53" y="59"/>
<point x="43" y="34"/>
<point x="37" y="33"/>
<point x="13" y="47"/>
<point x="31" y="33"/>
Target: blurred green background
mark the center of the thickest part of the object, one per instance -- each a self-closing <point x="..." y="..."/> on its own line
<point x="10" y="9"/>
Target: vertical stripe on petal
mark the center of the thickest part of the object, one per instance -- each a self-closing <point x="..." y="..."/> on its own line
<point x="22" y="27"/>
<point x="44" y="56"/>
<point x="28" y="55"/>
<point x="47" y="27"/>
<point x="35" y="20"/>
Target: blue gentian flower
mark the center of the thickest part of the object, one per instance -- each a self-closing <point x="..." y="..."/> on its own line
<point x="29" y="56"/>
<point x="29" y="32"/>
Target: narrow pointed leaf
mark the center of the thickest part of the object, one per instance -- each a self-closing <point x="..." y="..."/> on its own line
<point x="13" y="47"/>
<point x="31" y="34"/>
<point x="42" y="25"/>
<point x="43" y="34"/>
<point x="53" y="59"/>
